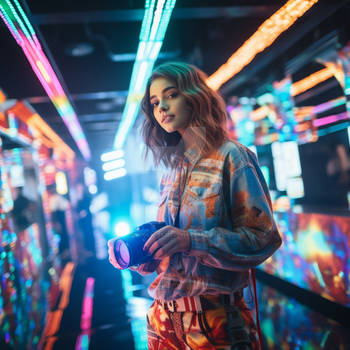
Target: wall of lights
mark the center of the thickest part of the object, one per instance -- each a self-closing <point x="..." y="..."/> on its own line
<point x="278" y="119"/>
<point x="153" y="28"/>
<point x="315" y="254"/>
<point x="21" y="29"/>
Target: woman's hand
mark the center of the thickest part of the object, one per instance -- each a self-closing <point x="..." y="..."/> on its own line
<point x="168" y="241"/>
<point x="111" y="254"/>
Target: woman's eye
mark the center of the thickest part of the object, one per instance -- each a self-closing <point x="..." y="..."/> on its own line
<point x="154" y="104"/>
<point x="172" y="95"/>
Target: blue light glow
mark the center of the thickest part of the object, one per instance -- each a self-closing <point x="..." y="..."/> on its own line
<point x="121" y="228"/>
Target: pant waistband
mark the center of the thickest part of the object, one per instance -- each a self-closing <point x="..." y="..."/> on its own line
<point x="201" y="302"/>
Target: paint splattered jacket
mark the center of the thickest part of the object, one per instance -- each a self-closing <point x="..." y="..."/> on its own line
<point x="226" y="208"/>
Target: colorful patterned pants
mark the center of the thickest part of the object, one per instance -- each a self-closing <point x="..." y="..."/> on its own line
<point x="225" y="328"/>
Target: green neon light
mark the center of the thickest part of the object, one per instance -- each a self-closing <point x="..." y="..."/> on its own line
<point x="19" y="21"/>
<point x="13" y="27"/>
<point x="26" y="20"/>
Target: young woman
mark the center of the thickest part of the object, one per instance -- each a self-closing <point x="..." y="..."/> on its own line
<point x="217" y="208"/>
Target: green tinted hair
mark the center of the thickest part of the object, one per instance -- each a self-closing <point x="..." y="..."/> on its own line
<point x="208" y="112"/>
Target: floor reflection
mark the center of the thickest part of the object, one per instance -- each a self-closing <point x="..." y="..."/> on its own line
<point x="106" y="309"/>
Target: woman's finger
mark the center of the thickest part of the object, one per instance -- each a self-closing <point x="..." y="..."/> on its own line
<point x="154" y="237"/>
<point x="160" y="243"/>
<point x="164" y="251"/>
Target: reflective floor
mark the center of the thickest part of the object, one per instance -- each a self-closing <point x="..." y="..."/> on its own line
<point x="99" y="307"/>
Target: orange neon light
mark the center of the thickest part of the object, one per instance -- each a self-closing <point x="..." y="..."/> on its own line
<point x="301" y="113"/>
<point x="2" y="96"/>
<point x="39" y="124"/>
<point x="311" y="80"/>
<point x="337" y="70"/>
<point x="266" y="34"/>
<point x="259" y="113"/>
<point x="302" y="127"/>
<point x="41" y="129"/>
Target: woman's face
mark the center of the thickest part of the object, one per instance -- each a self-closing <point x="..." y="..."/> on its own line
<point x="169" y="106"/>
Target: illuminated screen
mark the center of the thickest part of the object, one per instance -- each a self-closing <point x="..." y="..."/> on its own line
<point x="326" y="171"/>
<point x="286" y="162"/>
<point x="315" y="254"/>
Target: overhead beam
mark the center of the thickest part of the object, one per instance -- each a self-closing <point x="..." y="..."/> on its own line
<point x="135" y="15"/>
<point x="316" y="15"/>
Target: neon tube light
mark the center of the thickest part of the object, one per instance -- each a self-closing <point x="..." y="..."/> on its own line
<point x="333" y="128"/>
<point x="266" y="34"/>
<point x="328" y="105"/>
<point x="311" y="81"/>
<point x="20" y="28"/>
<point x="330" y="119"/>
<point x="153" y="28"/>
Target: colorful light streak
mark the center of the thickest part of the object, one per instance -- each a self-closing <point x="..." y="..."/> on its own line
<point x="24" y="34"/>
<point x="328" y="105"/>
<point x="152" y="33"/>
<point x="333" y="128"/>
<point x="54" y="316"/>
<point x="311" y="81"/>
<point x="259" y="113"/>
<point x="330" y="119"/>
<point x="86" y="316"/>
<point x="2" y="96"/>
<point x="266" y="34"/>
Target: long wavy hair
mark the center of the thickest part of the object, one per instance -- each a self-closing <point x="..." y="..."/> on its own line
<point x="207" y="107"/>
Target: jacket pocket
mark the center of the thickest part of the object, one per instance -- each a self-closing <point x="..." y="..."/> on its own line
<point x="202" y="192"/>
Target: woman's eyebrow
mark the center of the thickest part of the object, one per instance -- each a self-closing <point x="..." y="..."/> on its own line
<point x="164" y="90"/>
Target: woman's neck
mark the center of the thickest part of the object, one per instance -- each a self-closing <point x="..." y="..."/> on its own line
<point x="190" y="137"/>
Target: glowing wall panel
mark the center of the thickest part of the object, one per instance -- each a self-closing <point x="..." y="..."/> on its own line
<point x="315" y="254"/>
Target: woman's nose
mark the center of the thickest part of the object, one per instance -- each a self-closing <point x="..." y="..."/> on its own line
<point x="163" y="106"/>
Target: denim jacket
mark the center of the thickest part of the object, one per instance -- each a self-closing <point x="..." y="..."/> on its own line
<point x="224" y="204"/>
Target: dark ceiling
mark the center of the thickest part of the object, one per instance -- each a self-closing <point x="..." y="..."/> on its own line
<point x="92" y="46"/>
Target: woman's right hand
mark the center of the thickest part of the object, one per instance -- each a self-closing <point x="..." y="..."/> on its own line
<point x="111" y="254"/>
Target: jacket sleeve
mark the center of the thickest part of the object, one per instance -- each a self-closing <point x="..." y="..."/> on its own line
<point x="254" y="235"/>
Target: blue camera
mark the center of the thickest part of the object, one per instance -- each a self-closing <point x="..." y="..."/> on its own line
<point x="128" y="250"/>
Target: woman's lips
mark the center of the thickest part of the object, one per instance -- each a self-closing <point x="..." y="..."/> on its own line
<point x="167" y="118"/>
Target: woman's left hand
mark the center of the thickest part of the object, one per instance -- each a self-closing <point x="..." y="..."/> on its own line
<point x="168" y="241"/>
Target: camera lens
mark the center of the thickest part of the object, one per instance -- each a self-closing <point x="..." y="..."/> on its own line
<point x="122" y="254"/>
<point x="128" y="250"/>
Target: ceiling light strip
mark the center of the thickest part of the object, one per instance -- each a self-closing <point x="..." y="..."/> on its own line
<point x="153" y="29"/>
<point x="266" y="34"/>
<point x="27" y="39"/>
<point x="147" y="20"/>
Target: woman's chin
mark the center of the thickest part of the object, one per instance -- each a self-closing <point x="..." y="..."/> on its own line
<point x="169" y="130"/>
